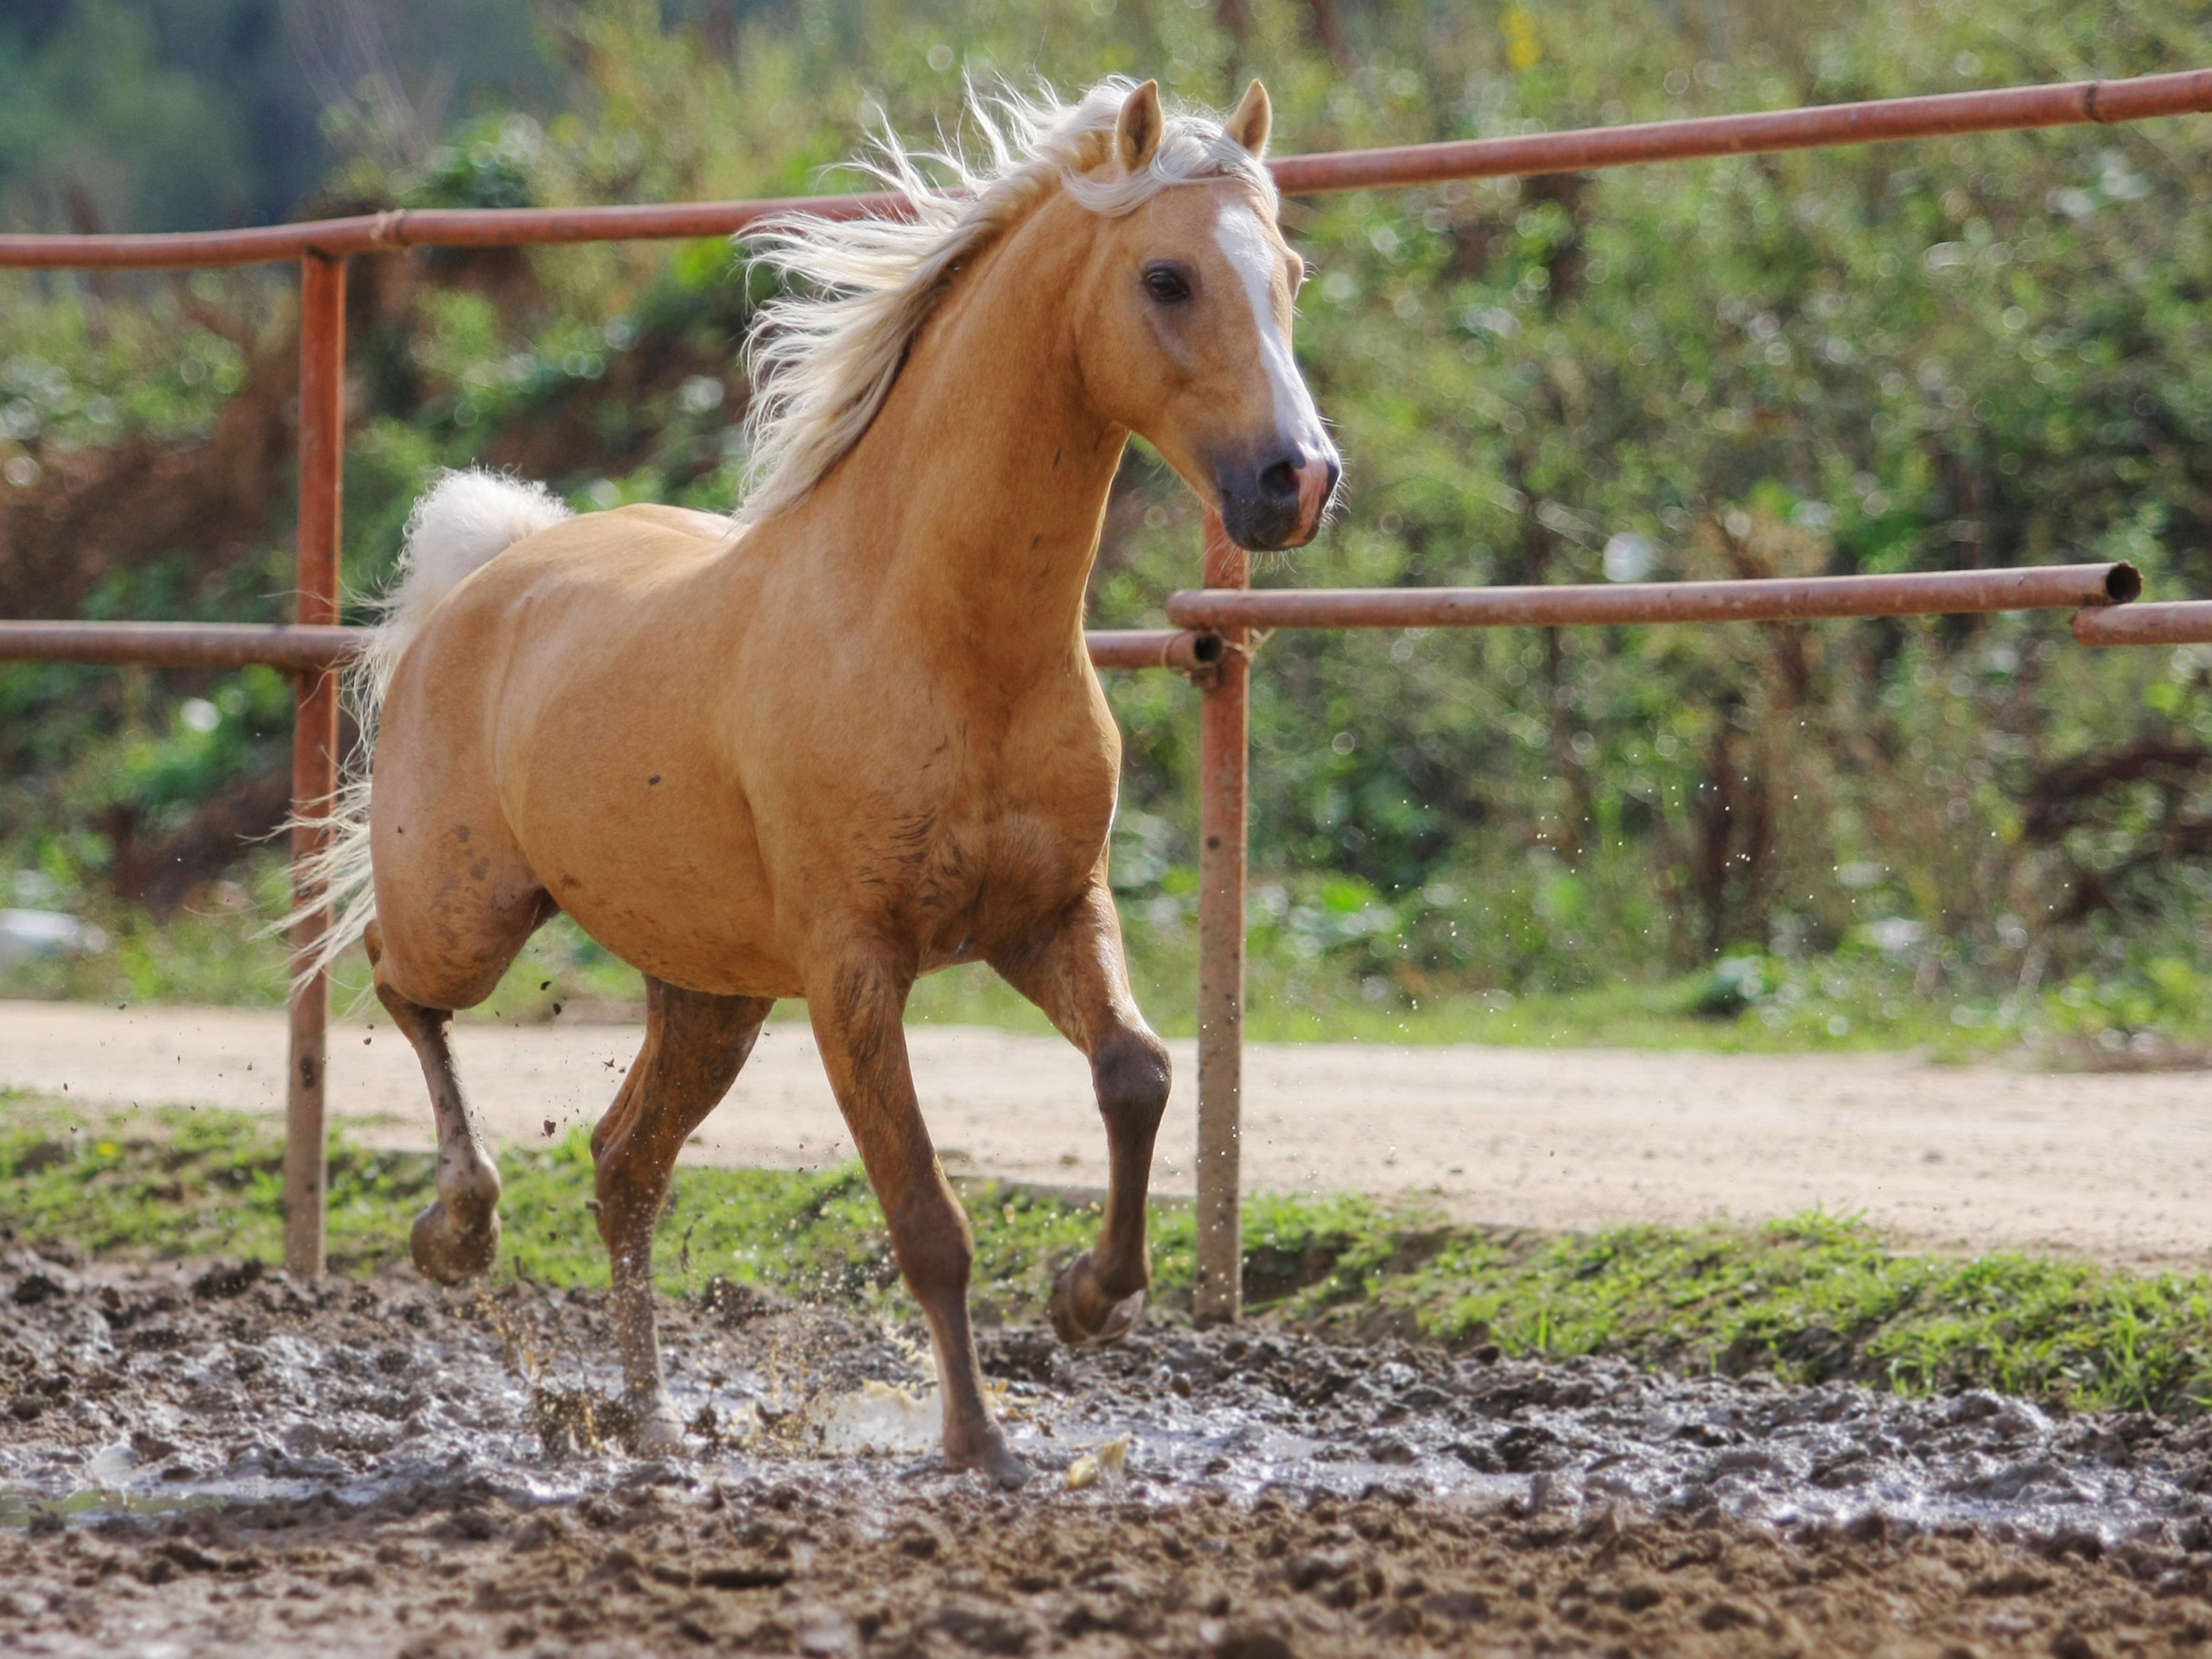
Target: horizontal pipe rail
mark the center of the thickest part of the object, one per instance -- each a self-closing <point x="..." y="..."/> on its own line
<point x="2180" y="622"/>
<point x="180" y="644"/>
<point x="1185" y="650"/>
<point x="312" y="650"/>
<point x="1193" y="644"/>
<point x="1878" y="121"/>
<point x="2056" y="586"/>
<point x="428" y="227"/>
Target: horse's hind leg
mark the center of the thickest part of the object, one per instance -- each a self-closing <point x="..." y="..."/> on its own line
<point x="459" y="1234"/>
<point x="1073" y="969"/>
<point x="694" y="1045"/>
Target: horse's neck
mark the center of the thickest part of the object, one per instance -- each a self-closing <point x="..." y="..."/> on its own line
<point x="973" y="505"/>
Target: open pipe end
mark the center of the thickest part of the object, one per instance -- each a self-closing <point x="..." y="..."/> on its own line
<point x="2123" y="583"/>
<point x="1208" y="648"/>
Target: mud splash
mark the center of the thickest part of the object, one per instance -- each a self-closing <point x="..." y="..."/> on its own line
<point x="183" y="1434"/>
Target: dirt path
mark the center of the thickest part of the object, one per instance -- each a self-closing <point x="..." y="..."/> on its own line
<point x="2114" y="1166"/>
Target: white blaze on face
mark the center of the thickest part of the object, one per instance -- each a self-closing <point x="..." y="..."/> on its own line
<point x="1252" y="256"/>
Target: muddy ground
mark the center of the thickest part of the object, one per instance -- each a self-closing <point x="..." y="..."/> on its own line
<point x="208" y="1458"/>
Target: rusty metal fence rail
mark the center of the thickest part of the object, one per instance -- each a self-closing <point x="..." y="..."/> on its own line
<point x="1212" y="640"/>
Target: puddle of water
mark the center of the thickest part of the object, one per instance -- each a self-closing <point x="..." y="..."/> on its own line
<point x="156" y="1397"/>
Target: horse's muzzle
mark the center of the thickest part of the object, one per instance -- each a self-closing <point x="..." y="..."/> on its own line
<point x="1278" y="503"/>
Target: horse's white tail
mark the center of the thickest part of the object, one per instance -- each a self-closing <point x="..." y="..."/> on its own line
<point x="467" y="519"/>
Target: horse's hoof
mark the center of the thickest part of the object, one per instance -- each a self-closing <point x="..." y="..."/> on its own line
<point x="994" y="1460"/>
<point x="446" y="1251"/>
<point x="657" y="1435"/>
<point x="1083" y="1314"/>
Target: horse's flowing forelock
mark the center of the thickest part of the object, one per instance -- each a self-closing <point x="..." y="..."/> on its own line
<point x="825" y="354"/>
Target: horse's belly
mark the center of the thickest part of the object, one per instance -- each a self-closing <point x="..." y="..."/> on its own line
<point x="688" y="932"/>
<point x="676" y="890"/>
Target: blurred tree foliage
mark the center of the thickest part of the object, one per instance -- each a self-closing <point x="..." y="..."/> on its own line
<point x="1976" y="352"/>
<point x="156" y="114"/>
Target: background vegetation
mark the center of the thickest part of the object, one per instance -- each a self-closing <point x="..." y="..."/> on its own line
<point x="1979" y="351"/>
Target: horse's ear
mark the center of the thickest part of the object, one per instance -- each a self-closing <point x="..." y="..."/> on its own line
<point x="1255" y="116"/>
<point x="1136" y="134"/>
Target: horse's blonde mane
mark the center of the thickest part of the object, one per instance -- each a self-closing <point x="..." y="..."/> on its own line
<point x="826" y="352"/>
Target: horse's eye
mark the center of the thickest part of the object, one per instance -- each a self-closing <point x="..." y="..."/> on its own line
<point x="1166" y="284"/>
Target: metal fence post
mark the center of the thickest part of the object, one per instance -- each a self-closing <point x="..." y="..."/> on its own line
<point x="1224" y="741"/>
<point x="314" y="741"/>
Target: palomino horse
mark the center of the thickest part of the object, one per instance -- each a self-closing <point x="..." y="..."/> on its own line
<point x="855" y="737"/>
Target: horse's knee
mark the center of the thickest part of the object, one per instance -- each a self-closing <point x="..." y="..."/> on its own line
<point x="1132" y="1077"/>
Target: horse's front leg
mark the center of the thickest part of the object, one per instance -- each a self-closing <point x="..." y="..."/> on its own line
<point x="694" y="1045"/>
<point x="857" y="1010"/>
<point x="1074" y="970"/>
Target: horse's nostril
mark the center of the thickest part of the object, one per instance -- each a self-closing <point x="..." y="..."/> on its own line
<point x="1279" y="482"/>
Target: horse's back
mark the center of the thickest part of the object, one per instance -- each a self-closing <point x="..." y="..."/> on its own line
<point x="707" y="526"/>
<point x="624" y="549"/>
<point x="567" y="594"/>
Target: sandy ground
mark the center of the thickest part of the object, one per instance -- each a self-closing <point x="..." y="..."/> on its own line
<point x="2117" y="1167"/>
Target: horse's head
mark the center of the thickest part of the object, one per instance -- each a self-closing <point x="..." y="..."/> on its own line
<point x="1184" y="333"/>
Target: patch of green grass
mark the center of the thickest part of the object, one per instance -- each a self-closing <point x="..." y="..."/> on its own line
<point x="1660" y="1014"/>
<point x="1810" y="1298"/>
<point x="181" y="1183"/>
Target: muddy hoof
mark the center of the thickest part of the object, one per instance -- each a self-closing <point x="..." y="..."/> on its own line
<point x="995" y="1460"/>
<point x="447" y="1251"/>
<point x="1084" y="1316"/>
<point x="658" y="1435"/>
